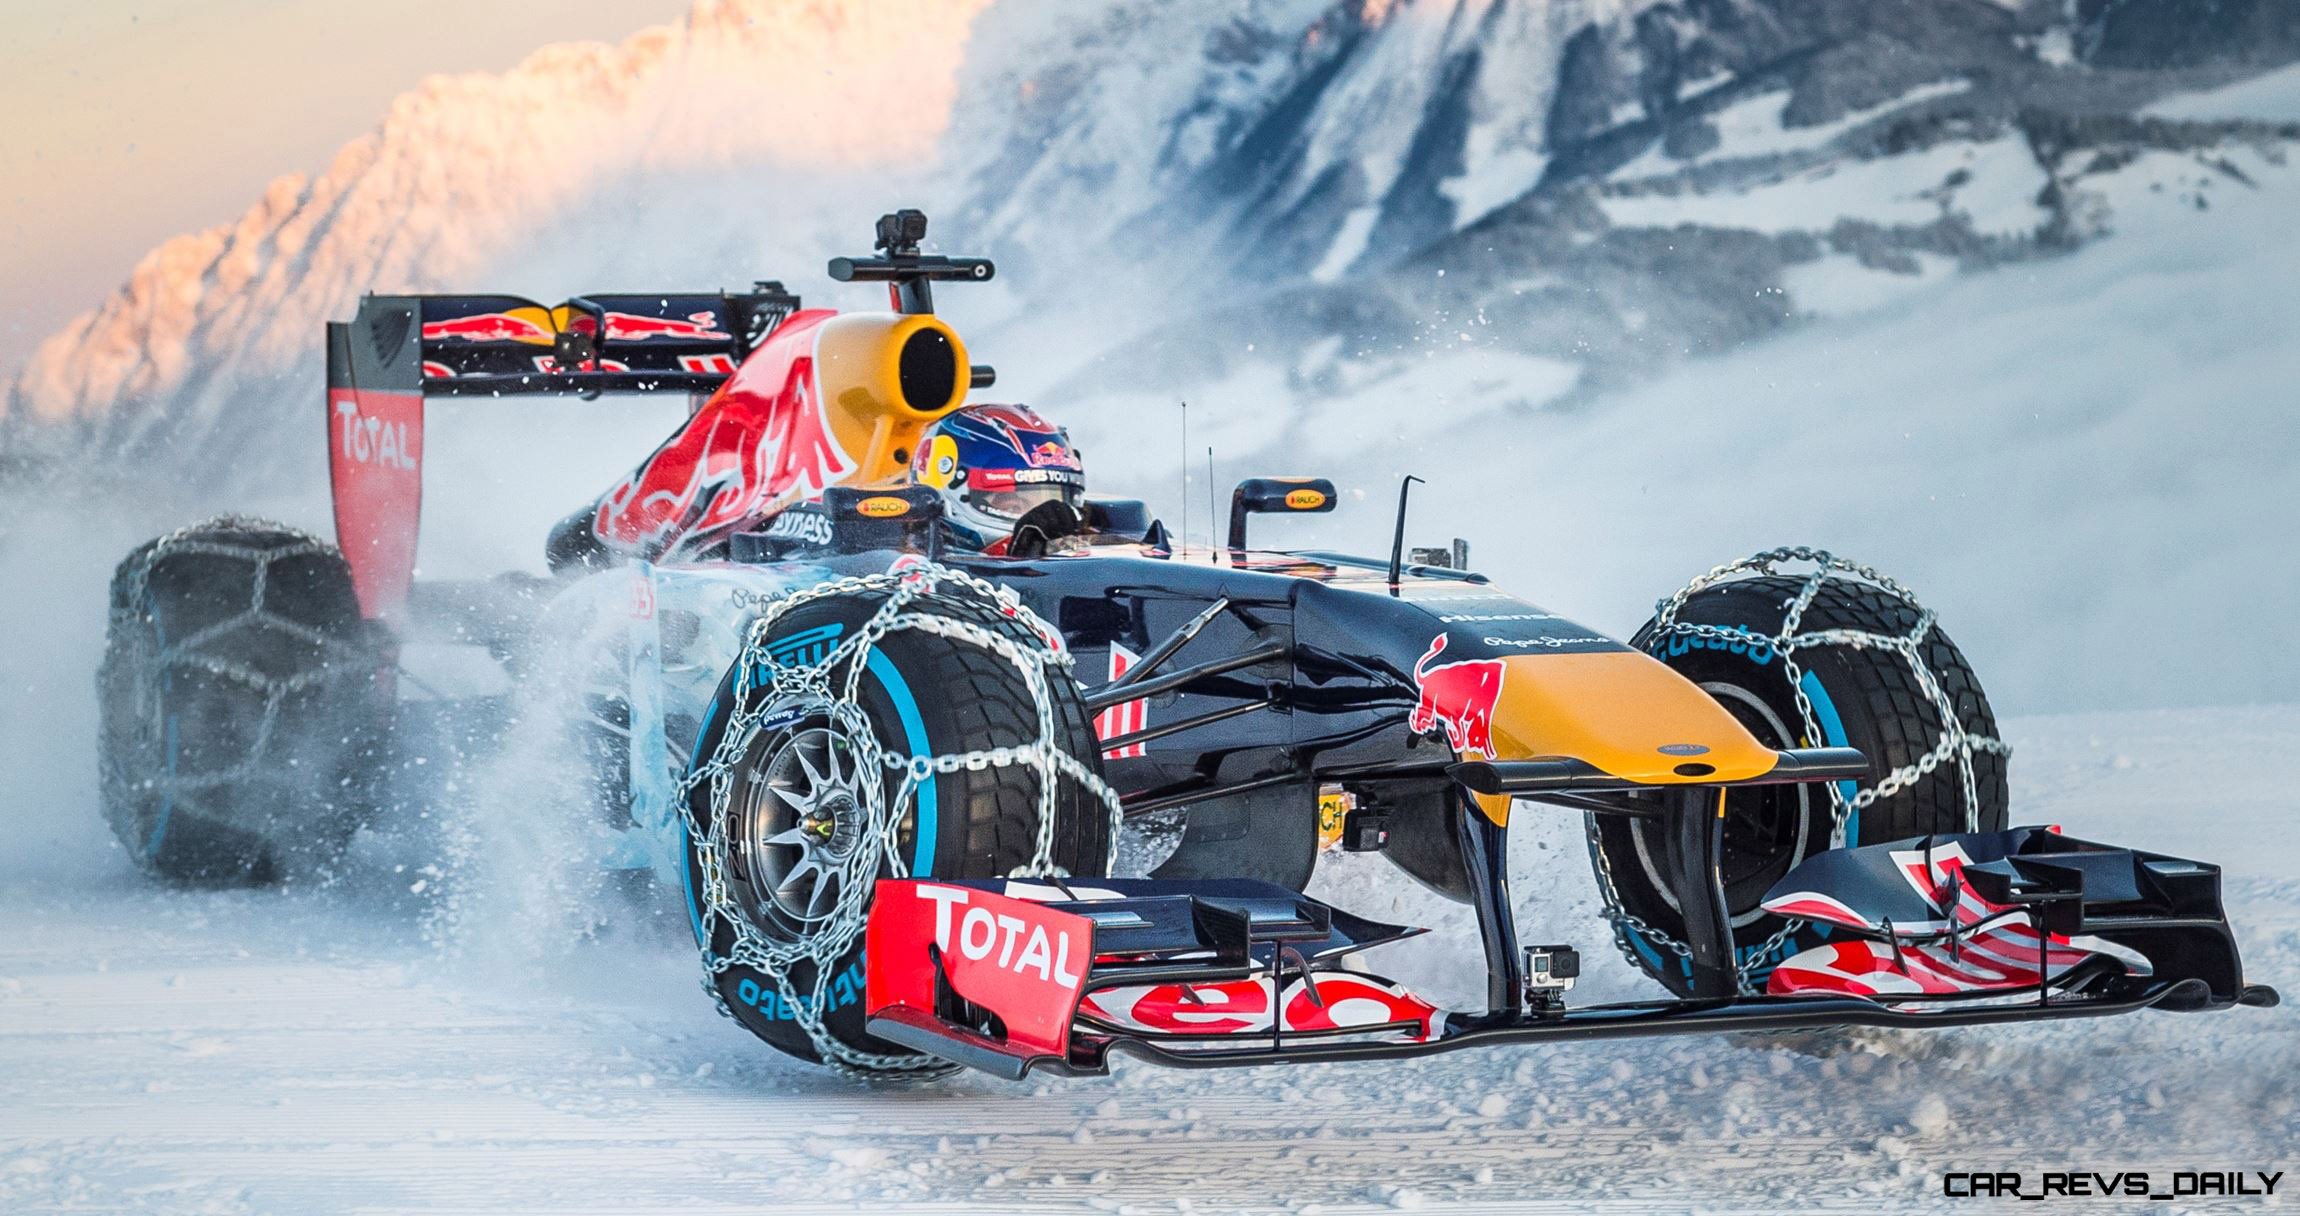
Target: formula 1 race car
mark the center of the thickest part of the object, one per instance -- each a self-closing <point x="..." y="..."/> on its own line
<point x="954" y="764"/>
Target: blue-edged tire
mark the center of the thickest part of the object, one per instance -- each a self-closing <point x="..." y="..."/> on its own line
<point x="242" y="723"/>
<point x="922" y="694"/>
<point x="1870" y="699"/>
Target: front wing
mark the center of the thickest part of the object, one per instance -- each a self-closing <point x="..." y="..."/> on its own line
<point x="1014" y="975"/>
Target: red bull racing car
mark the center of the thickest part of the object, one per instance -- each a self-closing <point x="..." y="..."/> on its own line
<point x="953" y="763"/>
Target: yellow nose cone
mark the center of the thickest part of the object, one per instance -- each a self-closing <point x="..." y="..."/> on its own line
<point x="1625" y="713"/>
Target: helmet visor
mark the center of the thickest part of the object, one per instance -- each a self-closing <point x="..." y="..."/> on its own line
<point x="1016" y="501"/>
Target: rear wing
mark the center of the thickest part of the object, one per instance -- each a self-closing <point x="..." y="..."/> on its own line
<point x="487" y="346"/>
<point x="398" y="350"/>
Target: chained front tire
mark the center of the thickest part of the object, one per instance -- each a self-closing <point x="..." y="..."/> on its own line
<point x="779" y="791"/>
<point x="241" y="720"/>
<point x="1736" y="640"/>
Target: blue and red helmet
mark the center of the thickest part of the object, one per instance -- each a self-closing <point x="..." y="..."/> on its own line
<point x="994" y="464"/>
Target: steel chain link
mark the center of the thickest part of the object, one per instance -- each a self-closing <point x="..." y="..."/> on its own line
<point x="1954" y="744"/>
<point x="130" y="652"/>
<point x="769" y="690"/>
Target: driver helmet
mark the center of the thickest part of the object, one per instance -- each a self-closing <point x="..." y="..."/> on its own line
<point x="993" y="464"/>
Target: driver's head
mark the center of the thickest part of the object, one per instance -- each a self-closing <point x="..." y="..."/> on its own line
<point x="993" y="465"/>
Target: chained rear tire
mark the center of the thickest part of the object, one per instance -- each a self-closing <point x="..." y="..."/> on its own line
<point x="923" y="694"/>
<point x="241" y="721"/>
<point x="1870" y="699"/>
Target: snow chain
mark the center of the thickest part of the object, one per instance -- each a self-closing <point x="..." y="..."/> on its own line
<point x="771" y="690"/>
<point x="131" y="610"/>
<point x="1955" y="743"/>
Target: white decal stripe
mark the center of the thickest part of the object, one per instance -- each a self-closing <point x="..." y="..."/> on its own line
<point x="1126" y="717"/>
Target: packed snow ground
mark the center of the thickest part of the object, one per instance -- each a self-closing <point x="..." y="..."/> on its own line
<point x="330" y="1052"/>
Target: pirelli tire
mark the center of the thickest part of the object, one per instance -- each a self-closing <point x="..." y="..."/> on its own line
<point x="242" y="723"/>
<point x="923" y="695"/>
<point x="1865" y="698"/>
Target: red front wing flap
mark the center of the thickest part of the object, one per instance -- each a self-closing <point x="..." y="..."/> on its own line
<point x="961" y="971"/>
<point x="993" y="974"/>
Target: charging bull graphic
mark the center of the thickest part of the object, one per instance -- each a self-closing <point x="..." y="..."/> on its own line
<point x="534" y="326"/>
<point x="628" y="327"/>
<point x="827" y="399"/>
<point x="762" y="439"/>
<point x="1461" y="696"/>
<point x="539" y="326"/>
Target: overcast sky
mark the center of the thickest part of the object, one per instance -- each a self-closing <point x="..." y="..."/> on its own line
<point x="125" y="122"/>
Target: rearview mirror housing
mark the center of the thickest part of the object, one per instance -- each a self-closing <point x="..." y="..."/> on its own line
<point x="1276" y="496"/>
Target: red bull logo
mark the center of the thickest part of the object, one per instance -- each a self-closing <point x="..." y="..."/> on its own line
<point x="540" y="326"/>
<point x="698" y="327"/>
<point x="1459" y="696"/>
<point x="521" y="325"/>
<point x="762" y="438"/>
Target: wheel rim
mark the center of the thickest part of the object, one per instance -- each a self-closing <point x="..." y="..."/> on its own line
<point x="797" y="824"/>
<point x="1768" y="828"/>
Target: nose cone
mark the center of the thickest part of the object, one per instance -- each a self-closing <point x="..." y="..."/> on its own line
<point x="1500" y="679"/>
<point x="1625" y="713"/>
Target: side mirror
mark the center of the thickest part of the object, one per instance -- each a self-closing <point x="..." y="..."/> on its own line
<point x="1117" y="519"/>
<point x="1274" y="496"/>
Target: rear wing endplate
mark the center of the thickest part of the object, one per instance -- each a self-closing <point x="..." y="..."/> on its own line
<point x="399" y="350"/>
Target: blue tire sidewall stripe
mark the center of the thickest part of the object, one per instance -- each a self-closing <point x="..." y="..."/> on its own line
<point x="926" y="833"/>
<point x="928" y="826"/>
<point x="1833" y="735"/>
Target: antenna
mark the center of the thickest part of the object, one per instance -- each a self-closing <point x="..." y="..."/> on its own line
<point x="1213" y="512"/>
<point x="1398" y="539"/>
<point x="1185" y="476"/>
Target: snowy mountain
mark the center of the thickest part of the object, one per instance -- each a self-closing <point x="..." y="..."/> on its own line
<point x="1291" y="136"/>
<point x="1575" y="192"/>
<point x="1678" y="179"/>
<point x="213" y="341"/>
